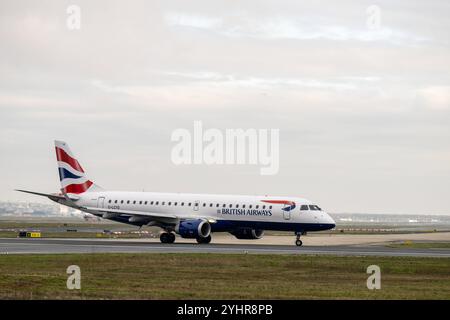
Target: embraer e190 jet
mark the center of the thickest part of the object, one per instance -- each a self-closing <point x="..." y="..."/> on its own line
<point x="194" y="216"/>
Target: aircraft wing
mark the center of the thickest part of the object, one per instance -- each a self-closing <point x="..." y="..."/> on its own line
<point x="110" y="213"/>
<point x="142" y="216"/>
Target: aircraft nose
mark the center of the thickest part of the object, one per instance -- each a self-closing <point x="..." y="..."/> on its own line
<point x="331" y="221"/>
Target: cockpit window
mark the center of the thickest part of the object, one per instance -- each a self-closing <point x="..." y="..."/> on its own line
<point x="314" y="207"/>
<point x="304" y="207"/>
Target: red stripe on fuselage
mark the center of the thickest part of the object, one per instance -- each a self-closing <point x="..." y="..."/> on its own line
<point x="78" y="188"/>
<point x="279" y="202"/>
<point x="61" y="155"/>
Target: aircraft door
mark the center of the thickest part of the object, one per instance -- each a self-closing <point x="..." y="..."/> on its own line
<point x="101" y="202"/>
<point x="286" y="212"/>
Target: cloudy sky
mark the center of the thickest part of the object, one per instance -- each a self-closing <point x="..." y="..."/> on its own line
<point x="361" y="95"/>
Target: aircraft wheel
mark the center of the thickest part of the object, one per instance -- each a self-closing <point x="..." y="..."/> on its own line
<point x="165" y="237"/>
<point x="298" y="243"/>
<point x="204" y="240"/>
<point x="171" y="237"/>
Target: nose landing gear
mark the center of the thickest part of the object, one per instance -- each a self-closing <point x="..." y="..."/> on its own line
<point x="298" y="242"/>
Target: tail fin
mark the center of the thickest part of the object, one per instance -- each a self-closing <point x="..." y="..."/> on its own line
<point x="71" y="174"/>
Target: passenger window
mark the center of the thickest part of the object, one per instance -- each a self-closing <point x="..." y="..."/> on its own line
<point x="224" y="205"/>
<point x="182" y="204"/>
<point x="270" y="207"/>
<point x="231" y="206"/>
<point x="304" y="207"/>
<point x="264" y="207"/>
<point x="162" y="203"/>
<point x="115" y="201"/>
<point x="157" y="202"/>
<point x="250" y="206"/>
<point x="257" y="206"/>
<point x="243" y="206"/>
<point x="217" y="205"/>
<point x="151" y="203"/>
<point x="210" y="205"/>
<point x="190" y="203"/>
<point x="169" y="203"/>
<point x="140" y="202"/>
<point x="109" y="201"/>
<point x="121" y="201"/>
<point x="237" y="206"/>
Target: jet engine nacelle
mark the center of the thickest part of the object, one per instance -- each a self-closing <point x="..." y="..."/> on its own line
<point x="193" y="229"/>
<point x="247" y="233"/>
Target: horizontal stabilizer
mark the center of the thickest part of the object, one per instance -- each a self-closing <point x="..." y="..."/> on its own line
<point x="48" y="195"/>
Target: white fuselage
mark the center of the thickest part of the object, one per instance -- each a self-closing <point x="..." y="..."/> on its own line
<point x="228" y="211"/>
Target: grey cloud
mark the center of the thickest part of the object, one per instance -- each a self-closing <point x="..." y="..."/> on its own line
<point x="288" y="28"/>
<point x="363" y="116"/>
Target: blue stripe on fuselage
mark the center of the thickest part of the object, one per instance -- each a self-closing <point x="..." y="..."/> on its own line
<point x="230" y="225"/>
<point x="227" y="225"/>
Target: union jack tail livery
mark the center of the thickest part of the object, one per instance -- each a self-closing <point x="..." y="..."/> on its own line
<point x="71" y="174"/>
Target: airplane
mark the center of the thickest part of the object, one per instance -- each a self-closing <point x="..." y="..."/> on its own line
<point x="192" y="216"/>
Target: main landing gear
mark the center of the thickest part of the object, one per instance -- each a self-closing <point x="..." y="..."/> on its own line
<point x="298" y="242"/>
<point x="201" y="240"/>
<point x="167" y="237"/>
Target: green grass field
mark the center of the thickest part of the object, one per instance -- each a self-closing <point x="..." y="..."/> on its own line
<point x="10" y="229"/>
<point x="77" y="235"/>
<point x="420" y="245"/>
<point x="216" y="276"/>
